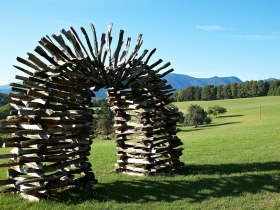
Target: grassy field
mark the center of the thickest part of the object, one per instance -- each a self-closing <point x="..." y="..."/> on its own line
<point x="230" y="164"/>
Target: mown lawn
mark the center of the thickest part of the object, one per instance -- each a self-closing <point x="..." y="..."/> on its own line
<point x="233" y="163"/>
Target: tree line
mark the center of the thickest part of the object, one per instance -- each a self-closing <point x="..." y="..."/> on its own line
<point x="233" y="90"/>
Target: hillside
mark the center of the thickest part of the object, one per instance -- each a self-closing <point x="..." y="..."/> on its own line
<point x="230" y="164"/>
<point x="178" y="81"/>
<point x="220" y="80"/>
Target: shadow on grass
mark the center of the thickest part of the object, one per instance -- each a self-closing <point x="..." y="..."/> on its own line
<point x="226" y="116"/>
<point x="202" y="127"/>
<point x="227" y="169"/>
<point x="196" y="189"/>
<point x="219" y="124"/>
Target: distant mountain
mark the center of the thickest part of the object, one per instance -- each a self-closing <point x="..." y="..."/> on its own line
<point x="5" y="89"/>
<point x="178" y="81"/>
<point x="269" y="79"/>
<point x="216" y="81"/>
<point x="5" y="86"/>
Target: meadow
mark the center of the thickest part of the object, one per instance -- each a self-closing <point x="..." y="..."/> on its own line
<point x="233" y="163"/>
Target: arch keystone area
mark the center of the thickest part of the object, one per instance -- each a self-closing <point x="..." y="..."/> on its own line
<point x="50" y="129"/>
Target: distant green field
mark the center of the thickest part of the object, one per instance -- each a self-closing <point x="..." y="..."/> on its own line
<point x="234" y="163"/>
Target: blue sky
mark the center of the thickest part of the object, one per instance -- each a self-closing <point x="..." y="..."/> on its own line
<point x="201" y="38"/>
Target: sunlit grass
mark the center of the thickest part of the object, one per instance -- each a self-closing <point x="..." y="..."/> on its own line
<point x="230" y="164"/>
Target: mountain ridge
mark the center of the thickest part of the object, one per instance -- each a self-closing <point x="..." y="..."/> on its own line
<point x="178" y="81"/>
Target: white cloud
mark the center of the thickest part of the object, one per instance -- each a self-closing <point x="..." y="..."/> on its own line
<point x="257" y="37"/>
<point x="210" y="27"/>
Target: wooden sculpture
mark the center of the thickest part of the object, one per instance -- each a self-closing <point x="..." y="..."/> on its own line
<point x="50" y="129"/>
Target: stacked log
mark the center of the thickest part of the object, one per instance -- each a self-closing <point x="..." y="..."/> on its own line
<point x="51" y="127"/>
<point x="145" y="131"/>
<point x="50" y="136"/>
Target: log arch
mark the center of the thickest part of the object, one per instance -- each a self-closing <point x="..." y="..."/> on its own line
<point x="51" y="125"/>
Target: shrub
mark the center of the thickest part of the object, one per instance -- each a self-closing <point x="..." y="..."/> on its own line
<point x="208" y="120"/>
<point x="196" y="115"/>
<point x="217" y="110"/>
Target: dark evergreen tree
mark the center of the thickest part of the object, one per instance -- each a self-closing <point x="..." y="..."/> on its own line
<point x="253" y="88"/>
<point x="208" y="92"/>
<point x="245" y="90"/>
<point x="180" y="96"/>
<point x="239" y="90"/>
<point x="226" y="93"/>
<point x="197" y="93"/>
<point x="104" y="120"/>
<point x="189" y="93"/>
<point x="219" y="95"/>
<point x="233" y="90"/>
<point x="2" y="96"/>
<point x="274" y="88"/>
<point x="261" y="89"/>
<point x="96" y="102"/>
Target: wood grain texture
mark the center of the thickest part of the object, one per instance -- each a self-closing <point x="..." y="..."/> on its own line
<point x="52" y="124"/>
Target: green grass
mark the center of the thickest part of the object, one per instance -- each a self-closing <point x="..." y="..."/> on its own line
<point x="230" y="164"/>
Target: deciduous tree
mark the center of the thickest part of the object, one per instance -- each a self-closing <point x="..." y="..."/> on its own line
<point x="196" y="115"/>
